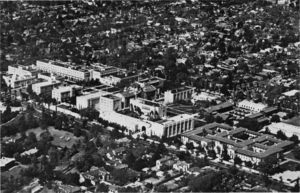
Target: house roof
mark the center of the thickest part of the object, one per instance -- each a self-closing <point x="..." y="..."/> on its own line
<point x="121" y="166"/>
<point x="5" y="160"/>
<point x="181" y="163"/>
<point x="164" y="159"/>
<point x="30" y="152"/>
<point x="195" y="169"/>
<point x="219" y="107"/>
<point x="120" y="149"/>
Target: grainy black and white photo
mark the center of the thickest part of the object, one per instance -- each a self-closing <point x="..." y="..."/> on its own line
<point x="147" y="96"/>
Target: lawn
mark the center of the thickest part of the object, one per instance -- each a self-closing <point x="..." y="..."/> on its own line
<point x="293" y="121"/>
<point x="57" y="134"/>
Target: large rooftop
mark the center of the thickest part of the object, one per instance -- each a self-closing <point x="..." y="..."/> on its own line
<point x="110" y="96"/>
<point x="181" y="89"/>
<point x="176" y="118"/>
<point x="146" y="102"/>
<point x="291" y="93"/>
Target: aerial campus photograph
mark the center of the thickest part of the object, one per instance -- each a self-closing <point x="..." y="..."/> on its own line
<point x="150" y="96"/>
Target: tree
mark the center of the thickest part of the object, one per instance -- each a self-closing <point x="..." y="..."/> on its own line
<point x="162" y="188"/>
<point x="296" y="153"/>
<point x="249" y="124"/>
<point x="268" y="165"/>
<point x="294" y="138"/>
<point x="248" y="164"/>
<point x="275" y="118"/>
<point x="237" y="161"/>
<point x="29" y="89"/>
<point x="225" y="155"/>
<point x="219" y="119"/>
<point x="267" y="130"/>
<point x="130" y="159"/>
<point x="98" y="142"/>
<point x="102" y="187"/>
<point x="34" y="161"/>
<point x="53" y="155"/>
<point x="212" y="154"/>
<point x="200" y="162"/>
<point x="281" y="135"/>
<point x="120" y="175"/>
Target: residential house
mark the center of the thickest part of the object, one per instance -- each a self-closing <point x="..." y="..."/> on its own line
<point x="97" y="174"/>
<point x="194" y="170"/>
<point x="119" y="151"/>
<point x="162" y="161"/>
<point x="113" y="189"/>
<point x="181" y="166"/>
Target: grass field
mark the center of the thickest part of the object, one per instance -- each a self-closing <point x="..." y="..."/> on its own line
<point x="294" y="121"/>
<point x="57" y="134"/>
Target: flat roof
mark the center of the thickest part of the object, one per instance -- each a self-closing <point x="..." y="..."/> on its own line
<point x="93" y="95"/>
<point x="66" y="88"/>
<point x="291" y="92"/>
<point x="213" y="125"/>
<point x="181" y="89"/>
<point x="255" y="115"/>
<point x="146" y="102"/>
<point x="220" y="106"/>
<point x="176" y="118"/>
<point x="46" y="83"/>
<point x="110" y="96"/>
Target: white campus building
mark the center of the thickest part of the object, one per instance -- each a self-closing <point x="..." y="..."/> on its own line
<point x="110" y="103"/>
<point x="181" y="93"/>
<point x="169" y="127"/>
<point x="61" y="94"/>
<point x="22" y="70"/>
<point x="204" y="96"/>
<point x="148" y="108"/>
<point x="64" y="69"/>
<point x="255" y="107"/>
<point x="100" y="70"/>
<point x="45" y="87"/>
<point x="20" y="76"/>
<point x="91" y="100"/>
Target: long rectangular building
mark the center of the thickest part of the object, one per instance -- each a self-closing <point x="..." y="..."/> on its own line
<point x="74" y="73"/>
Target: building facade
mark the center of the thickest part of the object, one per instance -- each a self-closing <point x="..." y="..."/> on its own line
<point x="62" y="94"/>
<point x="148" y="108"/>
<point x="22" y="70"/>
<point x="110" y="103"/>
<point x="45" y="88"/>
<point x="177" y="125"/>
<point x="19" y="76"/>
<point x="63" y="69"/>
<point x="182" y="93"/>
<point x="252" y="106"/>
<point x="91" y="100"/>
